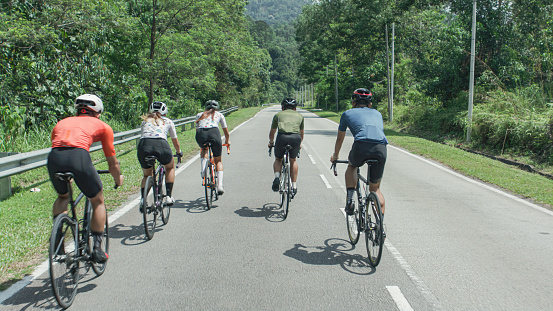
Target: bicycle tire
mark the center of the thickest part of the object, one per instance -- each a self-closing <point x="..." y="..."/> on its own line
<point x="63" y="258"/>
<point x="288" y="190"/>
<point x="98" y="268"/>
<point x="374" y="231"/>
<point x="207" y="186"/>
<point x="150" y="208"/>
<point x="165" y="208"/>
<point x="281" y="185"/>
<point x="214" y="192"/>
<point x="352" y="221"/>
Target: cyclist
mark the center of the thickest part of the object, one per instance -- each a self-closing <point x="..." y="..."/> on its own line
<point x="207" y="130"/>
<point x="290" y="125"/>
<point x="367" y="127"/>
<point x="153" y="142"/>
<point x="71" y="140"/>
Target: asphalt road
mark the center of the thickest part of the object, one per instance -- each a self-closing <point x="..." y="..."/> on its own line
<point x="452" y="243"/>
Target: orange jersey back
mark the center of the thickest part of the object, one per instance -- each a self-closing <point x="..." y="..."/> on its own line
<point x="81" y="132"/>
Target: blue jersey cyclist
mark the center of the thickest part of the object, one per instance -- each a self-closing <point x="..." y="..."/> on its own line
<point x="289" y="124"/>
<point x="367" y="127"/>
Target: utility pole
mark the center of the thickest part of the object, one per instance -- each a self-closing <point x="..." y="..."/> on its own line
<point x="336" y="79"/>
<point x="388" y="76"/>
<point x="471" y="83"/>
<point x="392" y="78"/>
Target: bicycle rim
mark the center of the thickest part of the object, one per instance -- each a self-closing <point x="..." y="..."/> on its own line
<point x="214" y="193"/>
<point x="288" y="187"/>
<point x="150" y="209"/>
<point x="353" y="222"/>
<point x="64" y="260"/>
<point x="373" y="232"/>
<point x="99" y="268"/>
<point x="207" y="186"/>
<point x="165" y="208"/>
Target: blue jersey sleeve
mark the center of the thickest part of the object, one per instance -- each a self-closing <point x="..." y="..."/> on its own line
<point x="343" y="123"/>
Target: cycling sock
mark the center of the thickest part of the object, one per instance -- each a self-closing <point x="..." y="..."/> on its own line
<point x="97" y="239"/>
<point x="351" y="192"/>
<point x="169" y="188"/>
<point x="277" y="174"/>
<point x="294" y="186"/>
<point x="220" y="178"/>
<point x="203" y="162"/>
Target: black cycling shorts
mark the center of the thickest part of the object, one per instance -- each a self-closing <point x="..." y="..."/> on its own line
<point x="212" y="135"/>
<point x="157" y="147"/>
<point x="362" y="151"/>
<point x="78" y="162"/>
<point x="284" y="139"/>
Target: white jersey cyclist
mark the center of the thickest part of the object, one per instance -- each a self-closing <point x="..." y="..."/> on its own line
<point x="210" y="122"/>
<point x="158" y="128"/>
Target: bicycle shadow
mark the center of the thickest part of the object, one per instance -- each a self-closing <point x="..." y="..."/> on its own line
<point x="39" y="294"/>
<point x="271" y="211"/>
<point x="129" y="235"/>
<point x="334" y="252"/>
<point x="195" y="206"/>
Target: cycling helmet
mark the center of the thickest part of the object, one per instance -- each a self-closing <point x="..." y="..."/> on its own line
<point x="212" y="104"/>
<point x="158" y="107"/>
<point x="289" y="102"/>
<point x="362" y="94"/>
<point x="90" y="102"/>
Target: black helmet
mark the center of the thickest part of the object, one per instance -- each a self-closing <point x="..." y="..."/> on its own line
<point x="212" y="104"/>
<point x="362" y="95"/>
<point x="289" y="102"/>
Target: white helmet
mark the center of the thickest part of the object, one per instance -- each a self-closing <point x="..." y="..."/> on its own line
<point x="92" y="102"/>
<point x="158" y="107"/>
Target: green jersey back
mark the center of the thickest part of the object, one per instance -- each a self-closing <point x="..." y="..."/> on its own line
<point x="288" y="121"/>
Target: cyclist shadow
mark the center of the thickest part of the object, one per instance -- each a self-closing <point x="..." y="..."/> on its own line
<point x="334" y="252"/>
<point x="271" y="211"/>
<point x="41" y="296"/>
<point x="129" y="235"/>
<point x="196" y="206"/>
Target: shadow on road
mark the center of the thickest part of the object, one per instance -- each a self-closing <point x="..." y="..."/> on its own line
<point x="196" y="206"/>
<point x="271" y="211"/>
<point x="129" y="235"/>
<point x="333" y="252"/>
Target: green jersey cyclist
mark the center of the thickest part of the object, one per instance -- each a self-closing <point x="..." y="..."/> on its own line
<point x="71" y="140"/>
<point x="367" y="127"/>
<point x="289" y="124"/>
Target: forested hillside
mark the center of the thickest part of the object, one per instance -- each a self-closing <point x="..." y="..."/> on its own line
<point x="513" y="109"/>
<point x="275" y="12"/>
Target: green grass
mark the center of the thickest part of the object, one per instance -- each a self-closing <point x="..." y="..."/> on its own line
<point x="26" y="217"/>
<point x="512" y="179"/>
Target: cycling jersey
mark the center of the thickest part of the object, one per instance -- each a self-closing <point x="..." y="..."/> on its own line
<point x="288" y="121"/>
<point x="210" y="122"/>
<point x="81" y="132"/>
<point x="151" y="129"/>
<point x="365" y="124"/>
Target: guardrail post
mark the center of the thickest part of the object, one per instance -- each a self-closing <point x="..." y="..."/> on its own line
<point x="6" y="182"/>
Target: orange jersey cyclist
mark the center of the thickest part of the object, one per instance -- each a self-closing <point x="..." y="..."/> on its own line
<point x="289" y="124"/>
<point x="155" y="128"/>
<point x="367" y="127"/>
<point x="207" y="130"/>
<point x="71" y="141"/>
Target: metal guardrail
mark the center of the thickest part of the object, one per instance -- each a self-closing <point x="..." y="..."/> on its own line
<point x="19" y="163"/>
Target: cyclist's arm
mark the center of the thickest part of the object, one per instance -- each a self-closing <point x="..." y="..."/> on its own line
<point x="272" y="136"/>
<point x="115" y="170"/>
<point x="176" y="144"/>
<point x="301" y="135"/>
<point x="338" y="145"/>
<point x="227" y="135"/>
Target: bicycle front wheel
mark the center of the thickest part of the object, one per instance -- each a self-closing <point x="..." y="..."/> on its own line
<point x="150" y="208"/>
<point x="63" y="260"/>
<point x="353" y="221"/>
<point x="165" y="208"/>
<point x="98" y="268"/>
<point x="374" y="230"/>
<point x="208" y="182"/>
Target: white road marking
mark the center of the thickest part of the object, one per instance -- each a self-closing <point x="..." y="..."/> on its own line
<point x="312" y="159"/>
<point x="401" y="303"/>
<point x="327" y="184"/>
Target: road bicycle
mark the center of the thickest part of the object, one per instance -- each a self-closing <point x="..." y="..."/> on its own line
<point x="71" y="245"/>
<point x="152" y="203"/>
<point x="367" y="215"/>
<point x="285" y="182"/>
<point x="210" y="177"/>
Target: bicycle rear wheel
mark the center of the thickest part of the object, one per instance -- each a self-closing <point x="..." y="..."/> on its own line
<point x="285" y="190"/>
<point x="208" y="181"/>
<point x="63" y="260"/>
<point x="165" y="208"/>
<point x="150" y="209"/>
<point x="214" y="192"/>
<point x="98" y="268"/>
<point x="353" y="221"/>
<point x="374" y="229"/>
